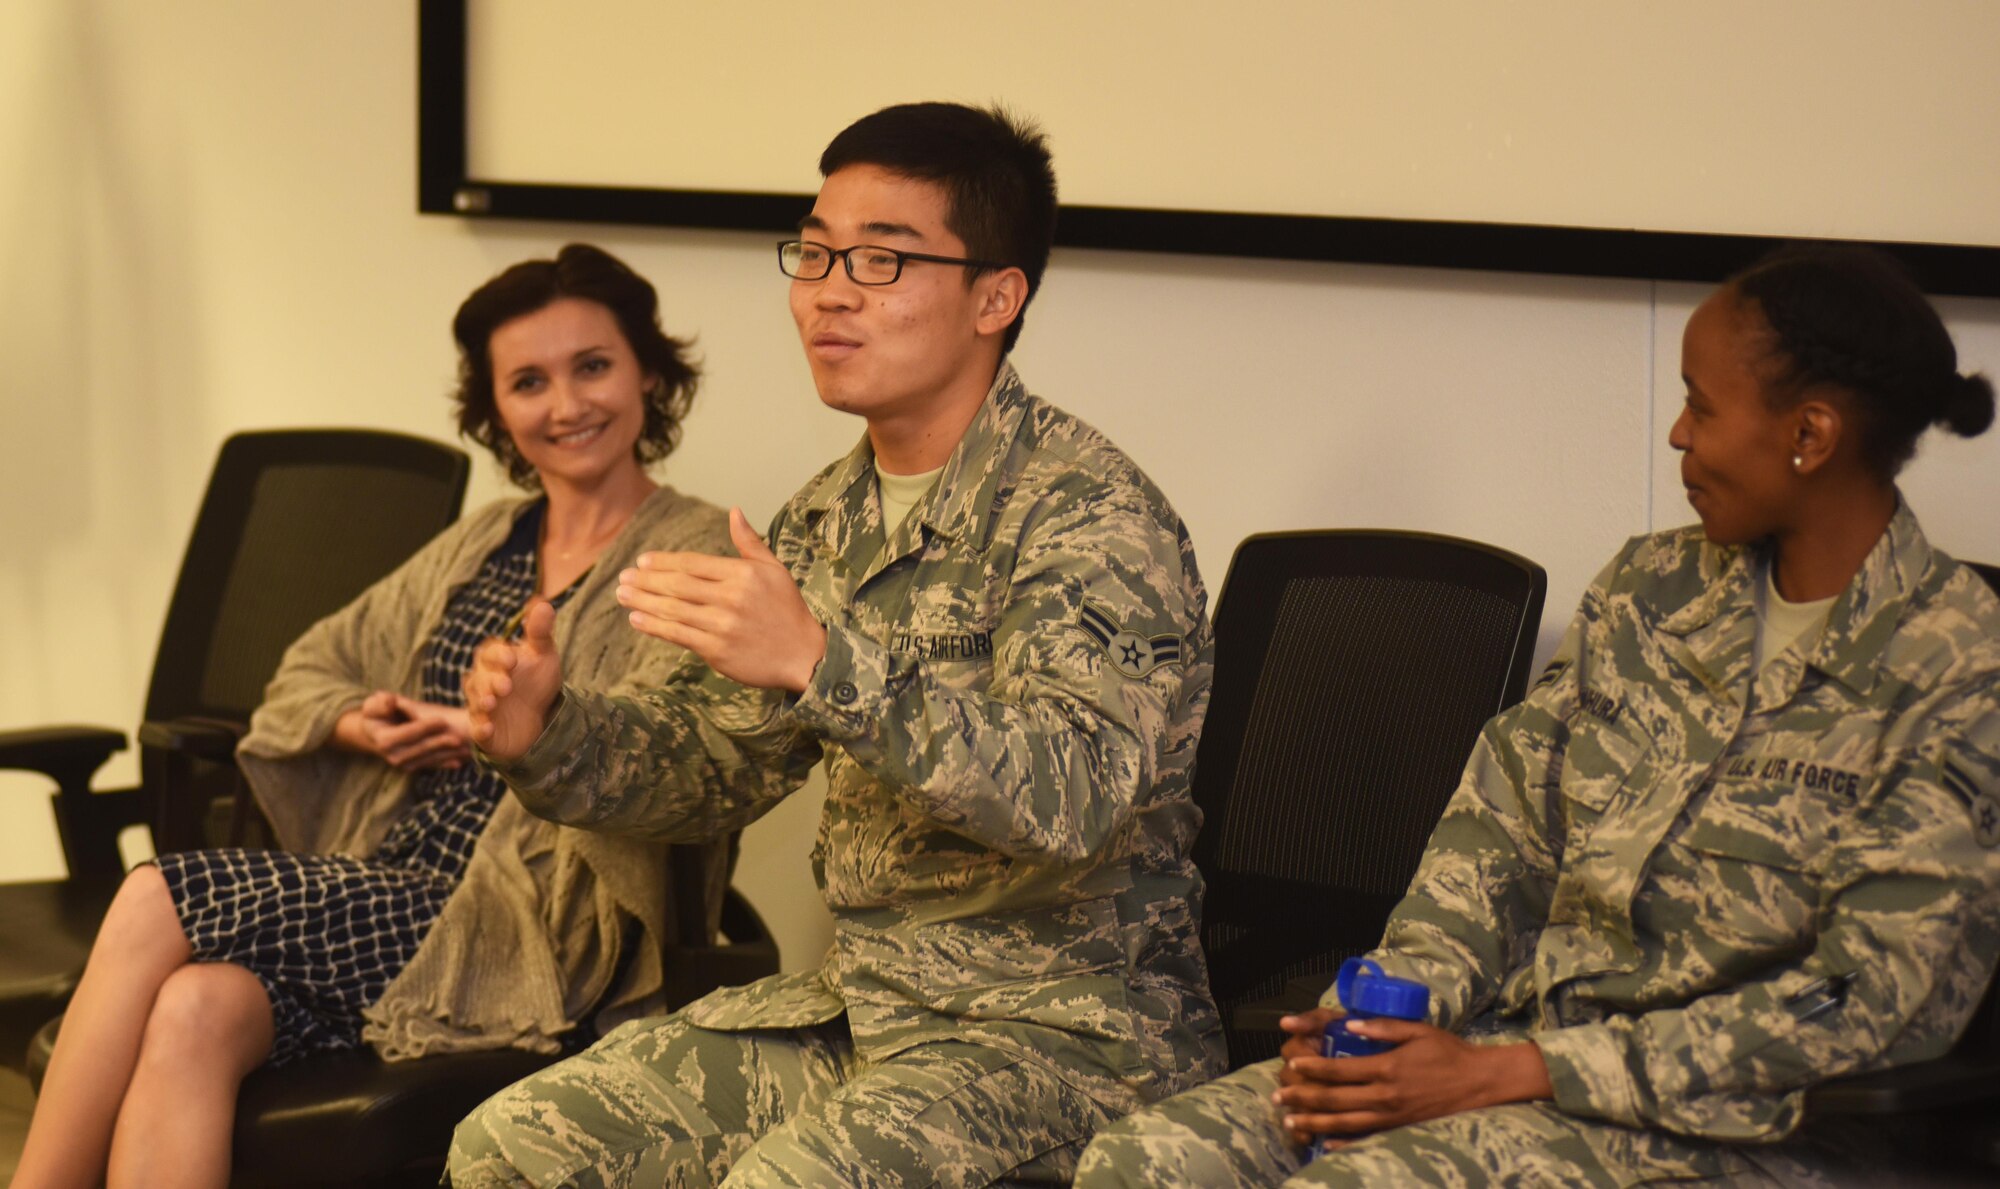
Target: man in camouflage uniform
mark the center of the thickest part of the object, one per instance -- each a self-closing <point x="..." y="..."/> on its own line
<point x="1006" y="686"/>
<point x="1696" y="889"/>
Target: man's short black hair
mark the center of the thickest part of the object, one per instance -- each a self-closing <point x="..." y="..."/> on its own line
<point x="995" y="170"/>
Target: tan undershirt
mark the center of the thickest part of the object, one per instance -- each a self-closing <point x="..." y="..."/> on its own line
<point x="1781" y="624"/>
<point x="900" y="493"/>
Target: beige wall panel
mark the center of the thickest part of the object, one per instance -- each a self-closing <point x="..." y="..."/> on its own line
<point x="210" y="227"/>
<point x="1847" y="118"/>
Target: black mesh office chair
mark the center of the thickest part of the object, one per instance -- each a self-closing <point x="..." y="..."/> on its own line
<point x="1354" y="670"/>
<point x="294" y="525"/>
<point x="1949" y="1107"/>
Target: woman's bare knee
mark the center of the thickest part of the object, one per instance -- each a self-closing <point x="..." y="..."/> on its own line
<point x="211" y="1015"/>
<point x="141" y="923"/>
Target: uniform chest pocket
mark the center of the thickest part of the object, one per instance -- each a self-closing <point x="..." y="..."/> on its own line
<point x="1599" y="759"/>
<point x="1769" y="823"/>
<point x="1745" y="867"/>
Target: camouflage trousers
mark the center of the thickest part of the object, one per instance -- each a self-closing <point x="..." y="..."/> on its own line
<point x="1227" y="1133"/>
<point x="660" y="1102"/>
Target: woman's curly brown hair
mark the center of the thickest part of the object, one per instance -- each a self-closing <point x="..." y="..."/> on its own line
<point x="591" y="274"/>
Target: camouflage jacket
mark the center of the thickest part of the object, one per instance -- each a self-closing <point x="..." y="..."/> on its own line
<point x="1008" y="708"/>
<point x="1701" y="892"/>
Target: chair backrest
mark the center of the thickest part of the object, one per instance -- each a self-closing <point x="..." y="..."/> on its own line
<point x="1354" y="670"/>
<point x="1982" y="1032"/>
<point x="294" y="525"/>
<point x="1989" y="572"/>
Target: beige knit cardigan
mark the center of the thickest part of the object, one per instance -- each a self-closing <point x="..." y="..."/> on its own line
<point x="530" y="939"/>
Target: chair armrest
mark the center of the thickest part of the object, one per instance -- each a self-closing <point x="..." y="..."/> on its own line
<point x="749" y="954"/>
<point x="68" y="755"/>
<point x="1952" y="1080"/>
<point x="1300" y="995"/>
<point x="180" y="756"/>
<point x="203" y="738"/>
<point x="86" y="822"/>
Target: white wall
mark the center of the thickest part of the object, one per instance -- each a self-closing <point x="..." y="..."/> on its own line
<point x="206" y="224"/>
<point x="1437" y="109"/>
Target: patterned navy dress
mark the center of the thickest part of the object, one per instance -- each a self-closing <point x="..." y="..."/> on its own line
<point x="326" y="934"/>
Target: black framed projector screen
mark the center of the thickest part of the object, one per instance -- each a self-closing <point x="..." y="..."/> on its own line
<point x="1841" y="119"/>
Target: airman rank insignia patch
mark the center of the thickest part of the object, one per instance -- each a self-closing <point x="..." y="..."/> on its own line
<point x="1984" y="807"/>
<point x="1129" y="652"/>
<point x="1553" y="673"/>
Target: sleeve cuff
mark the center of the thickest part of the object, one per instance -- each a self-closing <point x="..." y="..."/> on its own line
<point x="1588" y="1071"/>
<point x="1395" y="965"/>
<point x="848" y="693"/>
<point x="563" y="737"/>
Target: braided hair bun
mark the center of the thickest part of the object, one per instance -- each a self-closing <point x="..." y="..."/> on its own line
<point x="1969" y="408"/>
<point x="1850" y="318"/>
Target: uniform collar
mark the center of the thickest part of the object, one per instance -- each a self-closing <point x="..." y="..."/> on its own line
<point x="977" y="479"/>
<point x="1867" y="613"/>
<point x="974" y="482"/>
<point x="1720" y="623"/>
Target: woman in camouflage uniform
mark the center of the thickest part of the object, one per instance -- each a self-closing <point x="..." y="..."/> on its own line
<point x="1740" y="837"/>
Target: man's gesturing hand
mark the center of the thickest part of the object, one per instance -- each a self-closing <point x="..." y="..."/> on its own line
<point x="509" y="688"/>
<point x="743" y="615"/>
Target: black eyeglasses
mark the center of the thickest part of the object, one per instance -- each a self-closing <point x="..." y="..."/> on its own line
<point x="867" y="264"/>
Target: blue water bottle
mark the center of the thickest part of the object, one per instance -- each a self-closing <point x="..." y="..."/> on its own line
<point x="1368" y="994"/>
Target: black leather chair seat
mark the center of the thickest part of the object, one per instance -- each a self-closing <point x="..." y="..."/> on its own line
<point x="354" y="1119"/>
<point x="340" y="1119"/>
<point x="37" y="962"/>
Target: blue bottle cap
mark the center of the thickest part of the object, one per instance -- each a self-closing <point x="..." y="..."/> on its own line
<point x="1365" y="990"/>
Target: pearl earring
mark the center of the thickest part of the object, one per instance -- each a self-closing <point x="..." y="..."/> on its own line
<point x="1798" y="460"/>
